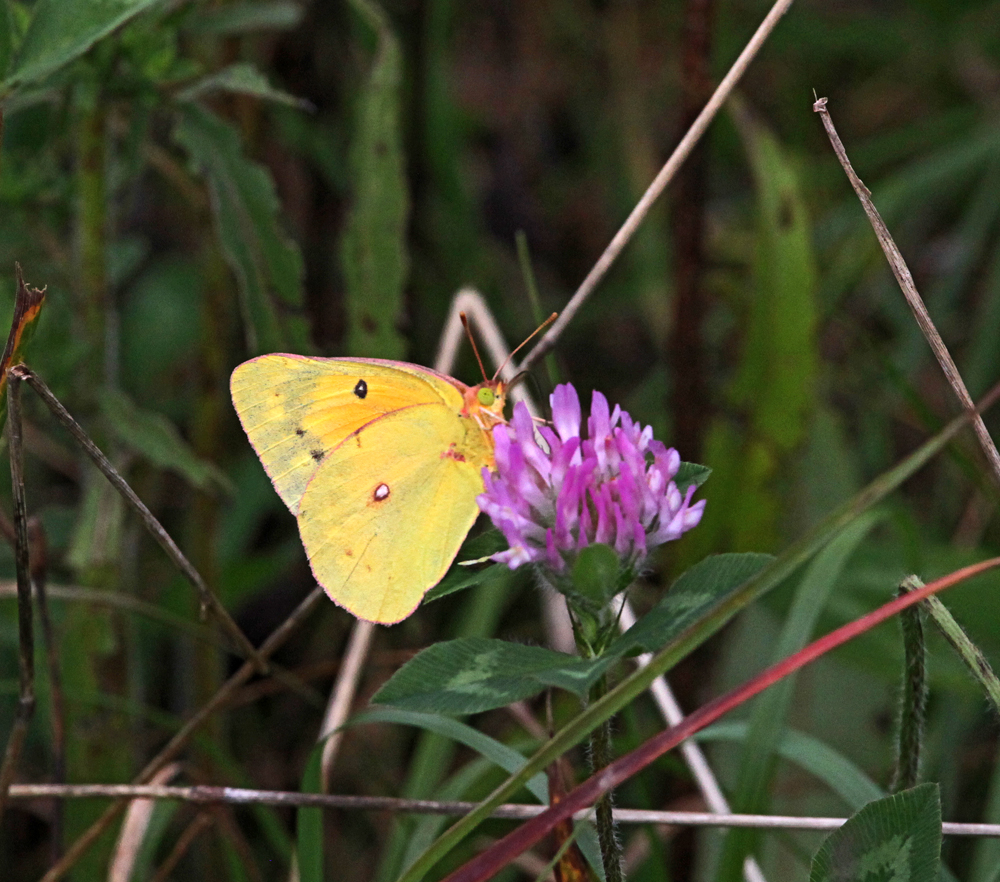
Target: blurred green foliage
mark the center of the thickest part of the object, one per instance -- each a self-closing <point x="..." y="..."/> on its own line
<point x="198" y="182"/>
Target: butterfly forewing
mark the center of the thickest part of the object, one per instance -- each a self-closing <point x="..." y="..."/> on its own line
<point x="386" y="512"/>
<point x="295" y="409"/>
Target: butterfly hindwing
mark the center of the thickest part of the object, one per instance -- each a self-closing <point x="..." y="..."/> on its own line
<point x="386" y="511"/>
<point x="295" y="409"/>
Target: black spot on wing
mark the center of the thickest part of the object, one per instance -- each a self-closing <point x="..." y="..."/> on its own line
<point x="361" y="389"/>
<point x="316" y="454"/>
<point x="300" y="431"/>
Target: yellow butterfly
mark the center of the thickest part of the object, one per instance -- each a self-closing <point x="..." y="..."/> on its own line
<point x="380" y="462"/>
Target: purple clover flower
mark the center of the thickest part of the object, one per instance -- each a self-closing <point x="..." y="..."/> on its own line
<point x="614" y="487"/>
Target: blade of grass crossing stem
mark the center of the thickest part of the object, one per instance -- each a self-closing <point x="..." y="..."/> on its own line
<point x="767" y="719"/>
<point x="426" y="828"/>
<point x="636" y="683"/>
<point x="309" y="844"/>
<point x="497" y="752"/>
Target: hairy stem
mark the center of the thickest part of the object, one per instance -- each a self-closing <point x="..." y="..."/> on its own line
<point x="914" y="699"/>
<point x="600" y="757"/>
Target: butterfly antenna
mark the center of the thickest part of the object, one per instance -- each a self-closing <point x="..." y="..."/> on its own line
<point x="472" y="340"/>
<point x="521" y="345"/>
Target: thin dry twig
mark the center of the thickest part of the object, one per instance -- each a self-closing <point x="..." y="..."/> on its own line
<point x="666" y="174"/>
<point x="233" y="796"/>
<point x="208" y="599"/>
<point x="26" y="638"/>
<point x="902" y="273"/>
<point x="184" y="734"/>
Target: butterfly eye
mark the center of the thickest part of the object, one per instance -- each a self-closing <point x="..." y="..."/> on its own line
<point x="486" y="396"/>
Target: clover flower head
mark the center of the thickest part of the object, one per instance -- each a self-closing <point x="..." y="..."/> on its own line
<point x="614" y="487"/>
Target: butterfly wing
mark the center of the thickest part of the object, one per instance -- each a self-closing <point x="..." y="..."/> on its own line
<point x="295" y="409"/>
<point x="386" y="511"/>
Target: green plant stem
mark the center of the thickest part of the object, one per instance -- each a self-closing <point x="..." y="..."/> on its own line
<point x="967" y="651"/>
<point x="600" y="758"/>
<point x="914" y="700"/>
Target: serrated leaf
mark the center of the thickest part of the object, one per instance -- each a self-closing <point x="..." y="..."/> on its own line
<point x="241" y="18"/>
<point x="475" y="674"/>
<point x="897" y="838"/>
<point x="247" y="215"/>
<point x="373" y="247"/>
<point x="703" y="587"/>
<point x="61" y="31"/>
<point x="243" y="79"/>
<point x="157" y="440"/>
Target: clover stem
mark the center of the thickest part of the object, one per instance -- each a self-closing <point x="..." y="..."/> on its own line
<point x="601" y="756"/>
